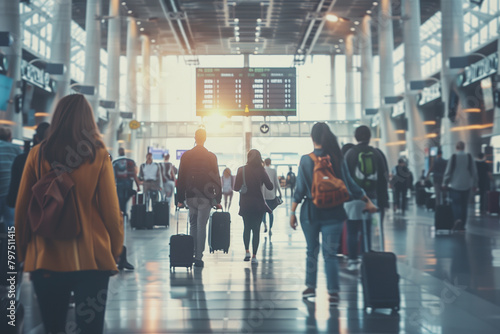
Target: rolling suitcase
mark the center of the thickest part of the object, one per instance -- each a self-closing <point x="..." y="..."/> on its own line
<point x="161" y="212"/>
<point x="138" y="216"/>
<point x="443" y="217"/>
<point x="219" y="231"/>
<point x="379" y="277"/>
<point x="493" y="202"/>
<point x="181" y="248"/>
<point x="149" y="222"/>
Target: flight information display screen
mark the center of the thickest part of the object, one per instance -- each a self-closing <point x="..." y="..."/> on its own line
<point x="246" y="91"/>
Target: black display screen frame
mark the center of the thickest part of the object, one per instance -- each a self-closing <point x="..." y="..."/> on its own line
<point x="253" y="91"/>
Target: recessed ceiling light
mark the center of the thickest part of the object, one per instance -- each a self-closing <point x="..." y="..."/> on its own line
<point x="336" y="46"/>
<point x="237" y="33"/>
<point x="375" y="3"/>
<point x="236" y="28"/>
<point x="139" y="23"/>
<point x="153" y="41"/>
<point x="236" y="20"/>
<point x="332" y="18"/>
<point x="353" y="29"/>
<point x="130" y="12"/>
<point x="237" y="39"/>
<point x="238" y="52"/>
<point x="257" y="34"/>
<point x="257" y="28"/>
<point x="238" y="48"/>
<point x="256" y="48"/>
<point x="338" y="50"/>
<point x="142" y="29"/>
<point x="299" y="51"/>
<point x="356" y="22"/>
<point x="255" y="52"/>
<point x="259" y="20"/>
<point x="368" y="11"/>
<point x="256" y="39"/>
<point x="124" y="3"/>
<point x="341" y="40"/>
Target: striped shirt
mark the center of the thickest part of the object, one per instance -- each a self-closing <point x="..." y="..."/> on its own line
<point x="8" y="152"/>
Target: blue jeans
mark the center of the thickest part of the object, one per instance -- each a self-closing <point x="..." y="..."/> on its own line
<point x="354" y="230"/>
<point x="459" y="204"/>
<point x="330" y="232"/>
<point x="6" y="212"/>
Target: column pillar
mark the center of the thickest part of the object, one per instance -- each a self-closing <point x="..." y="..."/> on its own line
<point x="386" y="49"/>
<point x="416" y="134"/>
<point x="496" y="115"/>
<point x="113" y="78"/>
<point x="247" y="121"/>
<point x="131" y="98"/>
<point x="365" y="41"/>
<point x="10" y="21"/>
<point x="93" y="51"/>
<point x="349" y="89"/>
<point x="452" y="45"/>
<point x="333" y="92"/>
<point x="145" y="115"/>
<point x="60" y="45"/>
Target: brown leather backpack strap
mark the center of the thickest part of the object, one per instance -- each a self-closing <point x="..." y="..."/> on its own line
<point x="313" y="157"/>
<point x="40" y="162"/>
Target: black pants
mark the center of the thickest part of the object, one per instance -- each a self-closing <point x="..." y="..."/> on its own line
<point x="53" y="291"/>
<point x="400" y="194"/>
<point x="252" y="224"/>
<point x="123" y="188"/>
<point x="483" y="198"/>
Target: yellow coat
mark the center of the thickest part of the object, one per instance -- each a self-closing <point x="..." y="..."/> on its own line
<point x="101" y="239"/>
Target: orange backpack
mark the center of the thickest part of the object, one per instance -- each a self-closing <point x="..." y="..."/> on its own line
<point x="327" y="190"/>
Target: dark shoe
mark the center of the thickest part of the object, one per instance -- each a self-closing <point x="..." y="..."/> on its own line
<point x="309" y="292"/>
<point x="247" y="257"/>
<point x="458" y="226"/>
<point x="199" y="263"/>
<point x="123" y="263"/>
<point x="334" y="299"/>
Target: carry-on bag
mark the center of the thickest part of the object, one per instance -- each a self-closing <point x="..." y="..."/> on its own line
<point x="161" y="212"/>
<point x="493" y="201"/>
<point x="443" y="217"/>
<point x="181" y="248"/>
<point x="138" y="216"/>
<point x="219" y="231"/>
<point x="379" y="276"/>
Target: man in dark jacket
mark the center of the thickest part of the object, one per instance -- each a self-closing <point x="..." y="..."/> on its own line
<point x="199" y="185"/>
<point x="368" y="168"/>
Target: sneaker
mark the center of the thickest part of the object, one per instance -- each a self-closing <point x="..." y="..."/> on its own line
<point x="199" y="263"/>
<point x="352" y="265"/>
<point x="247" y="257"/>
<point x="254" y="260"/>
<point x="334" y="299"/>
<point x="309" y="292"/>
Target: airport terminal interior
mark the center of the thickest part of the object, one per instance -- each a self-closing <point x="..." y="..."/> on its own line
<point x="421" y="75"/>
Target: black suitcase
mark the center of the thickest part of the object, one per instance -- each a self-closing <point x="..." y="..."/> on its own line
<point x="219" y="231"/>
<point x="149" y="222"/>
<point x="443" y="217"/>
<point x="181" y="249"/>
<point x="379" y="277"/>
<point x="161" y="212"/>
<point x="138" y="216"/>
<point x="420" y="195"/>
<point x="430" y="201"/>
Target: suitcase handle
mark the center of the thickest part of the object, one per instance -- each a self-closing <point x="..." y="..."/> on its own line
<point x="365" y="232"/>
<point x="177" y="209"/>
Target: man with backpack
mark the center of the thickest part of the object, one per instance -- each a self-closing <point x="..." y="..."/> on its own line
<point x="402" y="179"/>
<point x="125" y="174"/>
<point x="368" y="168"/>
<point x="438" y="168"/>
<point x="150" y="174"/>
<point x="460" y="178"/>
<point x="291" y="179"/>
<point x="168" y="176"/>
<point x="199" y="184"/>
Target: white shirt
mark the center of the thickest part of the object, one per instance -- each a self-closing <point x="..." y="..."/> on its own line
<point x="150" y="172"/>
<point x="273" y="176"/>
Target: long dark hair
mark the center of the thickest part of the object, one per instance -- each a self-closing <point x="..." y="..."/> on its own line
<point x="73" y="136"/>
<point x="254" y="158"/>
<point x="322" y="135"/>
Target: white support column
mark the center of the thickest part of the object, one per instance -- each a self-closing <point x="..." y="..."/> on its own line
<point x="10" y="21"/>
<point x="113" y="78"/>
<point x="60" y="47"/>
<point x="349" y="89"/>
<point x="452" y="45"/>
<point x="333" y="92"/>
<point x="131" y="98"/>
<point x="365" y="43"/>
<point x="416" y="135"/>
<point x="93" y="51"/>
<point x="386" y="49"/>
<point x="247" y="121"/>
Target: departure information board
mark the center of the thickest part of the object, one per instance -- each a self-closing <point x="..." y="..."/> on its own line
<point x="246" y="91"/>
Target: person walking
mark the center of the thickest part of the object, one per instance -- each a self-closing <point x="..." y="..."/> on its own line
<point x="81" y="264"/>
<point x="198" y="184"/>
<point x="485" y="179"/>
<point x="150" y="174"/>
<point x="227" y="182"/>
<point x="249" y="180"/>
<point x="400" y="182"/>
<point x="272" y="200"/>
<point x="460" y="178"/>
<point x="168" y="178"/>
<point x="438" y="168"/>
<point x="328" y="221"/>
<point x="291" y="180"/>
<point x="368" y="168"/>
<point x="125" y="175"/>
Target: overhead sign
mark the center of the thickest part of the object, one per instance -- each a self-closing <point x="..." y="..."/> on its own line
<point x="179" y="153"/>
<point x="264" y="128"/>
<point x="398" y="109"/>
<point x="36" y="76"/>
<point x="134" y="125"/>
<point x="479" y="70"/>
<point x="430" y="93"/>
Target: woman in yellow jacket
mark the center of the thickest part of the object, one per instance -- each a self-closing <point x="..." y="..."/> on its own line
<point x="82" y="264"/>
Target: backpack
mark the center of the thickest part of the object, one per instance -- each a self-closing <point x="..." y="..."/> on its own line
<point x="365" y="172"/>
<point x="120" y="168"/>
<point x="327" y="190"/>
<point x="53" y="210"/>
<point x="291" y="178"/>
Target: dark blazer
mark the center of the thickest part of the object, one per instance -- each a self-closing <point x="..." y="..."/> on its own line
<point x="253" y="200"/>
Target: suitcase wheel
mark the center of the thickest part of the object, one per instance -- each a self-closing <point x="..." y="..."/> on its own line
<point x="225" y="251"/>
<point x="211" y="250"/>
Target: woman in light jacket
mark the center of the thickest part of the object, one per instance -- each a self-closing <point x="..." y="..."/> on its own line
<point x="82" y="264"/>
<point x="327" y="221"/>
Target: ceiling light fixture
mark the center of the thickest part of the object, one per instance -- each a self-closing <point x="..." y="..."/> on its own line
<point x="153" y="41"/>
<point x="257" y="28"/>
<point x="256" y="39"/>
<point x="124" y="3"/>
<point x="341" y="40"/>
<point x="130" y="12"/>
<point x="332" y="18"/>
<point x="255" y="52"/>
<point x="368" y="11"/>
<point x="356" y="23"/>
<point x="259" y="20"/>
<point x="236" y="28"/>
<point x="142" y="29"/>
<point x="138" y="23"/>
<point x="236" y="20"/>
<point x="237" y="39"/>
<point x="338" y="50"/>
<point x="353" y="29"/>
<point x="375" y="3"/>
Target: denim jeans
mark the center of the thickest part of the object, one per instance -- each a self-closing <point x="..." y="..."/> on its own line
<point x="354" y="230"/>
<point x="6" y="212"/>
<point x="330" y="233"/>
<point x="459" y="204"/>
<point x="199" y="212"/>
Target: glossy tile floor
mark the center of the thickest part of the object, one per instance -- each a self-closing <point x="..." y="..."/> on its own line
<point x="449" y="284"/>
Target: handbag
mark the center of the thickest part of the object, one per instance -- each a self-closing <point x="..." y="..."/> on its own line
<point x="244" y="188"/>
<point x="53" y="209"/>
<point x="273" y="204"/>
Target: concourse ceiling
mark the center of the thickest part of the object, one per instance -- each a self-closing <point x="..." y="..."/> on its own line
<point x="224" y="27"/>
